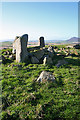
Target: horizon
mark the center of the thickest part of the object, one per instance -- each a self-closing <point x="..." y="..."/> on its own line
<point x="53" y="20"/>
<point x="55" y="40"/>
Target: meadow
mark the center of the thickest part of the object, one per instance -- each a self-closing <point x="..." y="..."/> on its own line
<point x="23" y="98"/>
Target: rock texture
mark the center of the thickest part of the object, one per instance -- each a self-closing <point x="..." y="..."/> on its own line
<point x="34" y="60"/>
<point x="50" y="49"/>
<point x="39" y="54"/>
<point x="20" y="46"/>
<point x="47" y="60"/>
<point x="45" y="76"/>
<point x="41" y="42"/>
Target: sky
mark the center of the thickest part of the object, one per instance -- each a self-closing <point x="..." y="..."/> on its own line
<point x="53" y="20"/>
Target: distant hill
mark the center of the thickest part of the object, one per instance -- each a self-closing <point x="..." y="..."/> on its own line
<point x="72" y="40"/>
<point x="69" y="41"/>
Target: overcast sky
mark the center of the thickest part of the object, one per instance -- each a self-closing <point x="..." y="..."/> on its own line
<point x="53" y="20"/>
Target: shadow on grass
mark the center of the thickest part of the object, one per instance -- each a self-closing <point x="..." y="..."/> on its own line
<point x="73" y="62"/>
<point x="7" y="61"/>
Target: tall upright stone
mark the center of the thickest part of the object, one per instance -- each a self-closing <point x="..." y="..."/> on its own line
<point x="20" y="46"/>
<point x="41" y="42"/>
<point x="15" y="44"/>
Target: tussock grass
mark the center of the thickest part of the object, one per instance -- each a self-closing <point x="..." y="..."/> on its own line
<point x="25" y="99"/>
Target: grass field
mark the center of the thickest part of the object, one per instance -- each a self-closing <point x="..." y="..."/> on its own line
<point x="25" y="99"/>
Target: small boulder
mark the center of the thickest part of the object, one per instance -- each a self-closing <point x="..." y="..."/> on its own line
<point x="50" y="49"/>
<point x="45" y="76"/>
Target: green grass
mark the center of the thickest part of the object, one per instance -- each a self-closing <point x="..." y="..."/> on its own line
<point x="25" y="99"/>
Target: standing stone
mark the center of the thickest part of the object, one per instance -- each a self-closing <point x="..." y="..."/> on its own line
<point x="41" y="42"/>
<point x="20" y="45"/>
<point x="15" y="44"/>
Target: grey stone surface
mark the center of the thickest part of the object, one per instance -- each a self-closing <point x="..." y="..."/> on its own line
<point x="15" y="44"/>
<point x="47" y="60"/>
<point x="51" y="51"/>
<point x="41" y="42"/>
<point x="45" y="76"/>
<point x="39" y="54"/>
<point x="20" y="45"/>
<point x="51" y="54"/>
<point x="50" y="48"/>
<point x="34" y="60"/>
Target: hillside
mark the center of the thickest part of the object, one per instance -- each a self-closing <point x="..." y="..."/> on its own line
<point x="72" y="40"/>
<point x="23" y="98"/>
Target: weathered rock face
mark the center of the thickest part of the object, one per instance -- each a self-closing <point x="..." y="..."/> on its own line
<point x="24" y="41"/>
<point x="41" y="42"/>
<point x="34" y="60"/>
<point x="50" y="49"/>
<point x="15" y="44"/>
<point x="39" y="54"/>
<point x="47" y="60"/>
<point x="51" y="54"/>
<point x="20" y="45"/>
<point x="46" y="76"/>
